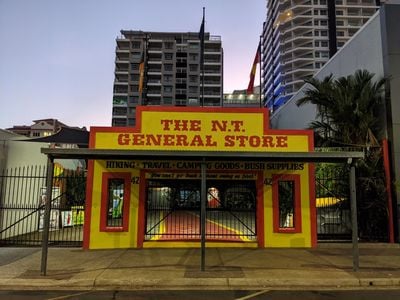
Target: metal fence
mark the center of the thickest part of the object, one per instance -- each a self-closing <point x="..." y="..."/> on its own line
<point x="172" y="208"/>
<point x="333" y="202"/>
<point x="22" y="199"/>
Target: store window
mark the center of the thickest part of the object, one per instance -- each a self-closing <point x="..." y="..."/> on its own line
<point x="115" y="202"/>
<point x="286" y="203"/>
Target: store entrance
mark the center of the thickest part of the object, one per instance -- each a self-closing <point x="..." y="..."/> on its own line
<point x="173" y="210"/>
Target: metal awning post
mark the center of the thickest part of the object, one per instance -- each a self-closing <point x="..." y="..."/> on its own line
<point x="46" y="221"/>
<point x="354" y="224"/>
<point x="203" y="213"/>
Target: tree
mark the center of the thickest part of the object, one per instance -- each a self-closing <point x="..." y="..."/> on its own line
<point x="348" y="115"/>
<point x="348" y="109"/>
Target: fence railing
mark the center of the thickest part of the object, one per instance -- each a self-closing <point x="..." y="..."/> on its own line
<point x="22" y="199"/>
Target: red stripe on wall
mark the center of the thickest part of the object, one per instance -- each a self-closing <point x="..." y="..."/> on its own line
<point x="260" y="210"/>
<point x="386" y="164"/>
<point x="88" y="206"/>
<point x="313" y="208"/>
<point x="141" y="212"/>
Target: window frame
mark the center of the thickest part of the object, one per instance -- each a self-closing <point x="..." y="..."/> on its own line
<point x="126" y="177"/>
<point x="297" y="228"/>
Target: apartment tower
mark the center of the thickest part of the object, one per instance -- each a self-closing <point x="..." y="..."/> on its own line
<point x="299" y="37"/>
<point x="163" y="68"/>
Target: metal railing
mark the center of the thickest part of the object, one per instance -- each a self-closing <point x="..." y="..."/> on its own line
<point x="22" y="200"/>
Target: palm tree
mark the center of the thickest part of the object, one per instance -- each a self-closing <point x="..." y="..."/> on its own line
<point x="348" y="115"/>
<point x="347" y="107"/>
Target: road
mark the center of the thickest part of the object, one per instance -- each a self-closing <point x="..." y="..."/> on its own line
<point x="366" y="294"/>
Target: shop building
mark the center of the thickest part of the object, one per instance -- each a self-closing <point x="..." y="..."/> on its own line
<point x="148" y="200"/>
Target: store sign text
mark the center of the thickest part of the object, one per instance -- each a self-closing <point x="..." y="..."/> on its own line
<point x="188" y="133"/>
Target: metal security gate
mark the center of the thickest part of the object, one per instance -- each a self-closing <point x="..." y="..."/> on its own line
<point x="333" y="202"/>
<point x="173" y="210"/>
<point x="22" y="199"/>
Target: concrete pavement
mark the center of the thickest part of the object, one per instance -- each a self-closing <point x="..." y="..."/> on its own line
<point x="328" y="266"/>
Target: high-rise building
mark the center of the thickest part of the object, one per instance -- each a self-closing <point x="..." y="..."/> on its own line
<point x="299" y="37"/>
<point x="163" y="68"/>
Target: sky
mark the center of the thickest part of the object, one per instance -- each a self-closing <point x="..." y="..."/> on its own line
<point x="57" y="56"/>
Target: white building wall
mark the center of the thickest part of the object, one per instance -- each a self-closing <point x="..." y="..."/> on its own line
<point x="364" y="51"/>
<point x="22" y="154"/>
<point x="21" y="158"/>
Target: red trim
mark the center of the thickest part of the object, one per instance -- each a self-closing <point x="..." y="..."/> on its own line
<point x="92" y="137"/>
<point x="88" y="206"/>
<point x="386" y="164"/>
<point x="209" y="240"/>
<point x="311" y="141"/>
<point x="297" y="203"/>
<point x="260" y="210"/>
<point x="141" y="208"/>
<point x="313" y="206"/>
<point x="126" y="176"/>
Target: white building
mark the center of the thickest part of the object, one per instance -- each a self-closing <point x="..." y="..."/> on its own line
<point x="376" y="48"/>
<point x="299" y="37"/>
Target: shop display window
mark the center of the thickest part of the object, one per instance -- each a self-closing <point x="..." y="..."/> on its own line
<point x="286" y="203"/>
<point x="115" y="202"/>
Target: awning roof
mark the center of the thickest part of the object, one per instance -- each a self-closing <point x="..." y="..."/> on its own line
<point x="66" y="135"/>
<point x="200" y="155"/>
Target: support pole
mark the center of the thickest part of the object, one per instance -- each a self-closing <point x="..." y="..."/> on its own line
<point x="354" y="225"/>
<point x="203" y="213"/>
<point x="46" y="221"/>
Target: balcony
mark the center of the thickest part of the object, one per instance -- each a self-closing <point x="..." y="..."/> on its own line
<point x="119" y="111"/>
<point x="120" y="82"/>
<point x="120" y="90"/>
<point x="122" y="50"/>
<point x="122" y="43"/>
<point x="122" y="69"/>
<point x="154" y="82"/>
<point x="154" y="70"/>
<point x="153" y="92"/>
<point x="119" y="101"/>
<point x="155" y="62"/>
<point x="121" y="78"/>
<point x="212" y="83"/>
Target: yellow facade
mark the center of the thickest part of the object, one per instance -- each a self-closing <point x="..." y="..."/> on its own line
<point x="106" y="240"/>
<point x="302" y="239"/>
<point x="199" y="130"/>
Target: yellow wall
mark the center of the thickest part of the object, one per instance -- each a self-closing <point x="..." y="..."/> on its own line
<point x="104" y="240"/>
<point x="286" y="239"/>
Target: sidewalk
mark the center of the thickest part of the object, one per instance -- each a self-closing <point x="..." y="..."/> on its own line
<point x="328" y="266"/>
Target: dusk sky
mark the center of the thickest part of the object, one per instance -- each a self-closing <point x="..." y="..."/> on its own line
<point x="57" y="56"/>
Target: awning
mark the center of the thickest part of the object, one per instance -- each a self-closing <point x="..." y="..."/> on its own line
<point x="200" y="155"/>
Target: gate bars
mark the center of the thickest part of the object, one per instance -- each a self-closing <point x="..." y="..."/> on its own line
<point x="22" y="206"/>
<point x="173" y="210"/>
